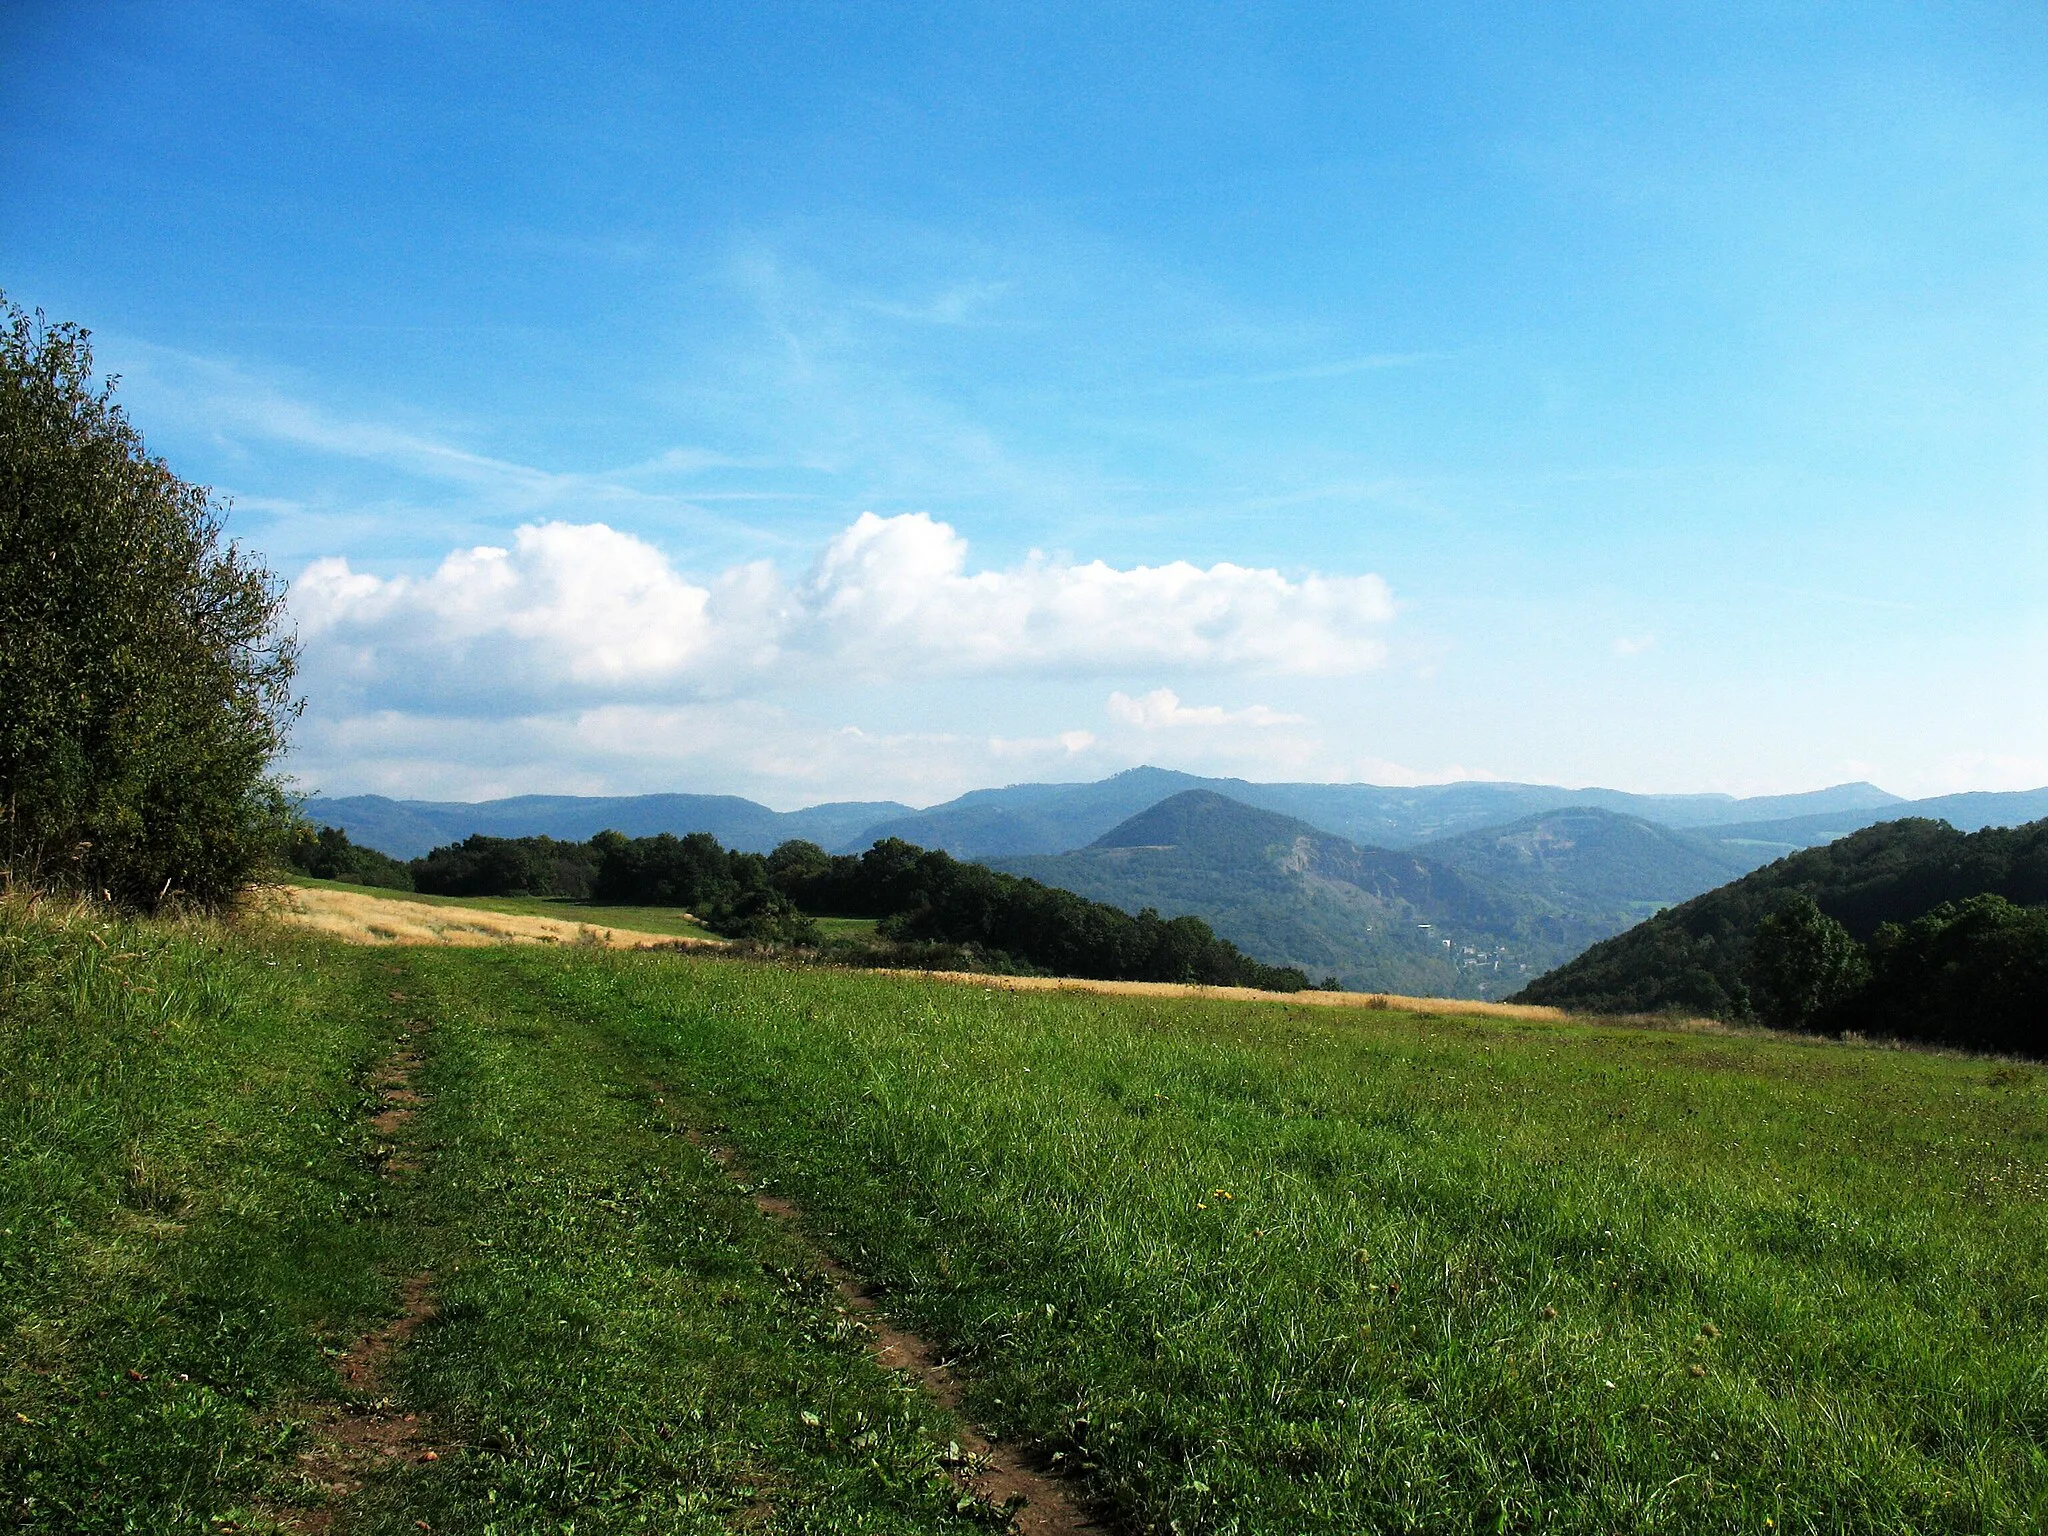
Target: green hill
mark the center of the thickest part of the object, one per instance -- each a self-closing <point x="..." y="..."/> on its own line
<point x="1594" y="863"/>
<point x="1697" y="957"/>
<point x="304" y="1236"/>
<point x="1469" y="916"/>
<point x="1278" y="887"/>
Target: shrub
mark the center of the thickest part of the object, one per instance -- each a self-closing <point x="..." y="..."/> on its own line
<point x="507" y="866"/>
<point x="1802" y="963"/>
<point x="326" y="853"/>
<point x="145" y="674"/>
<point x="1971" y="973"/>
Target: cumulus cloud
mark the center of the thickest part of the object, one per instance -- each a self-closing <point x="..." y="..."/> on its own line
<point x="1162" y="709"/>
<point x="582" y="612"/>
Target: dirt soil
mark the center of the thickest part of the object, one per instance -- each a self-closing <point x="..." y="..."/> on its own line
<point x="1040" y="1503"/>
<point x="376" y="920"/>
<point x="365" y="1429"/>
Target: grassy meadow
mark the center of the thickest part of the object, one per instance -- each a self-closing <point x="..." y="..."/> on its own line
<point x="1237" y="1267"/>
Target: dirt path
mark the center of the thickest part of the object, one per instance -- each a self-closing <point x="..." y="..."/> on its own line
<point x="365" y="1430"/>
<point x="1041" y="1504"/>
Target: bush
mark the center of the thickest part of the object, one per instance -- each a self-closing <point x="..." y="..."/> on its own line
<point x="1971" y="973"/>
<point x="145" y="674"/>
<point x="1802" y="964"/>
<point x="326" y="853"/>
<point x="507" y="866"/>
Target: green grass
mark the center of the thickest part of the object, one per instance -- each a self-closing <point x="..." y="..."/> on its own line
<point x="846" y="927"/>
<point x="638" y="919"/>
<point x="1243" y="1267"/>
<point x="187" y="1219"/>
<point x="1252" y="1268"/>
<point x="624" y="1344"/>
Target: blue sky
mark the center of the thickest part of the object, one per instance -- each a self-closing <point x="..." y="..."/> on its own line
<point x="864" y="401"/>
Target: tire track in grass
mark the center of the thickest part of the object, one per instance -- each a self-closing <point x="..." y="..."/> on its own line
<point x="366" y="1431"/>
<point x="1039" y="1503"/>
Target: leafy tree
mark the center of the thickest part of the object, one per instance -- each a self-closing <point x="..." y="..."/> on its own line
<point x="327" y="854"/>
<point x="1695" y="958"/>
<point x="145" y="667"/>
<point x="507" y="866"/>
<point x="1971" y="973"/>
<point x="1803" y="963"/>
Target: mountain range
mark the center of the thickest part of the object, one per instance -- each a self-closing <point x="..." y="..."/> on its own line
<point x="1053" y="818"/>
<point x="1467" y="889"/>
<point x="1478" y="914"/>
<point x="406" y="829"/>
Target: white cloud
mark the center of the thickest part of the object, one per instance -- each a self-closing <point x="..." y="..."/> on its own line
<point x="734" y="746"/>
<point x="582" y="612"/>
<point x="1634" y="645"/>
<point x="1162" y="709"/>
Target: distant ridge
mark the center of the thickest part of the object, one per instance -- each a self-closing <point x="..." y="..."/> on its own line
<point x="405" y="829"/>
<point x="1970" y="812"/>
<point x="1054" y="818"/>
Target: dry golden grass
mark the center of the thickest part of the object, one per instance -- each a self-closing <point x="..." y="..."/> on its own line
<point x="1249" y="994"/>
<point x="359" y="919"/>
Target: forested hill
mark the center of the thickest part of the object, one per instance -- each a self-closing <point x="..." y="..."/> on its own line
<point x="1698" y="957"/>
<point x="1468" y="917"/>
<point x="1592" y="862"/>
<point x="1290" y="894"/>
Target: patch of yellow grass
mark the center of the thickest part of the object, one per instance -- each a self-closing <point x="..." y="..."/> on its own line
<point x="359" y="919"/>
<point x="1313" y="998"/>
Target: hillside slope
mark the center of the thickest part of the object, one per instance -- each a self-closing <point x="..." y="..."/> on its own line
<point x="1377" y="919"/>
<point x="1598" y="864"/>
<point x="1695" y="957"/>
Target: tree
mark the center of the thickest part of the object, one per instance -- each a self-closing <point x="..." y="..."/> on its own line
<point x="1970" y="973"/>
<point x="327" y="854"/>
<point x="1803" y="963"/>
<point x="145" y="665"/>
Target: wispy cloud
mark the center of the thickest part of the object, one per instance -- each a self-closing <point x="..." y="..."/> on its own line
<point x="1161" y="709"/>
<point x="239" y="408"/>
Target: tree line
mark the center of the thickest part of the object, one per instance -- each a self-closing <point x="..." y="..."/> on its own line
<point x="1906" y="930"/>
<point x="923" y="900"/>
